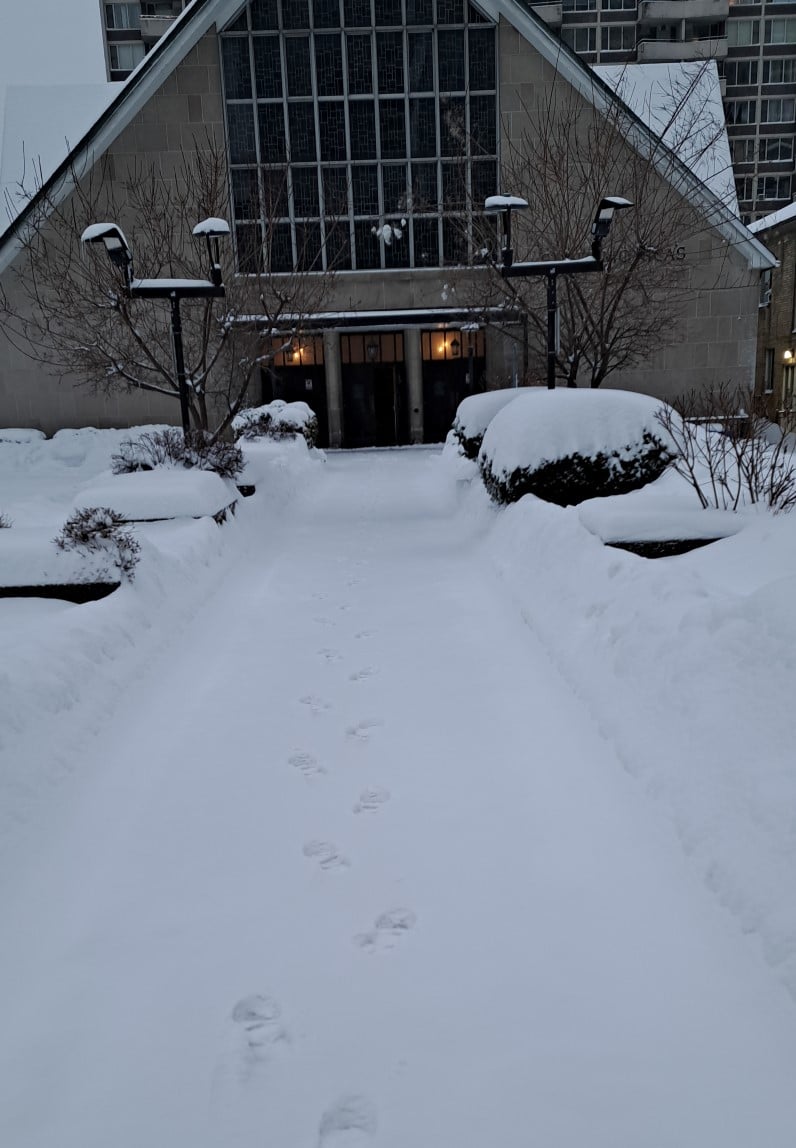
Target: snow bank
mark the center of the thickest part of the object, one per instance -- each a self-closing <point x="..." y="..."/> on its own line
<point x="21" y="434"/>
<point x="687" y="667"/>
<point x="29" y="557"/>
<point x="64" y="671"/>
<point x="148" y="495"/>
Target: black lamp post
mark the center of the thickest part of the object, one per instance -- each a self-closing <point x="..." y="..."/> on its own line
<point x="119" y="253"/>
<point x="552" y="268"/>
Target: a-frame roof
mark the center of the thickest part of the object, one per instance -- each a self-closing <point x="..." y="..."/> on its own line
<point x="202" y="15"/>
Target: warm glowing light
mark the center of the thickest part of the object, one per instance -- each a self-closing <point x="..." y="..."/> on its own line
<point x="787" y="356"/>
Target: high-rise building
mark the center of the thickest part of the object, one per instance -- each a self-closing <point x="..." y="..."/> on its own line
<point x="754" y="45"/>
<point x="130" y="27"/>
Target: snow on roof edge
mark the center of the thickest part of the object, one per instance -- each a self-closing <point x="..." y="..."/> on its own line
<point x="782" y="215"/>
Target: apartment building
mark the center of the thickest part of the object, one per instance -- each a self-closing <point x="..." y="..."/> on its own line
<point x="754" y="45"/>
<point x="131" y="27"/>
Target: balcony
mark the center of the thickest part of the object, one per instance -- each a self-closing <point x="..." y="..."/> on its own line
<point x="673" y="51"/>
<point x="153" y="27"/>
<point x="550" y="13"/>
<point x="665" y="11"/>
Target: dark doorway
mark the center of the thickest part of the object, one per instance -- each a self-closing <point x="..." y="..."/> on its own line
<point x="306" y="384"/>
<point x="454" y="366"/>
<point x="374" y="405"/>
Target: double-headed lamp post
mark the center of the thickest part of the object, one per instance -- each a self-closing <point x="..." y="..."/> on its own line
<point x="120" y="255"/>
<point x="551" y="268"/>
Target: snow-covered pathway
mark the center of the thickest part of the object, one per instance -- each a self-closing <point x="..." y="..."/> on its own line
<point x="343" y="877"/>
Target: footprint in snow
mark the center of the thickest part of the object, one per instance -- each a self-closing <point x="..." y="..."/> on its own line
<point x="330" y="655"/>
<point x="360" y="675"/>
<point x="362" y="730"/>
<point x="315" y="704"/>
<point x="371" y="800"/>
<point x="307" y="765"/>
<point x="388" y="930"/>
<point x="347" y="1123"/>
<point x="261" y="1032"/>
<point x="364" y="634"/>
<point x="326" y="855"/>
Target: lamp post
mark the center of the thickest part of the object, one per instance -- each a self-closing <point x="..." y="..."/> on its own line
<point x="552" y="268"/>
<point x="120" y="255"/>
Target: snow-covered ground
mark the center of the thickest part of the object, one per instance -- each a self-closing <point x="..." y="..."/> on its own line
<point x="361" y="822"/>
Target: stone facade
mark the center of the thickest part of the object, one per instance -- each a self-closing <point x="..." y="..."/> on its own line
<point x="713" y="340"/>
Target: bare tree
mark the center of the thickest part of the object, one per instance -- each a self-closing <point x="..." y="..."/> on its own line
<point x="69" y="310"/>
<point x="728" y="451"/>
<point x="568" y="157"/>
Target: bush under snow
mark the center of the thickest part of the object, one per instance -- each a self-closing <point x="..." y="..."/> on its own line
<point x="100" y="530"/>
<point x="277" y="420"/>
<point x="170" y="448"/>
<point x="475" y="413"/>
<point x="568" y="445"/>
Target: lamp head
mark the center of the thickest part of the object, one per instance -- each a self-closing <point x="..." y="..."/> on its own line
<point x="605" y="214"/>
<point x="213" y="229"/>
<point x="113" y="238"/>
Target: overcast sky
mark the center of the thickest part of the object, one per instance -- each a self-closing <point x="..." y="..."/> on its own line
<point x="50" y="42"/>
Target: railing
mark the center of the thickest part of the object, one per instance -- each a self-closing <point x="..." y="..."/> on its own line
<point x="551" y="13"/>
<point x="670" y="51"/>
<point x="652" y="11"/>
<point x="153" y="27"/>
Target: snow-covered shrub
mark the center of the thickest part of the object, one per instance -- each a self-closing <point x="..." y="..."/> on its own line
<point x="169" y="447"/>
<point x="475" y="413"/>
<point x="98" y="529"/>
<point x="277" y="420"/>
<point x="729" y="451"/>
<point x="5" y="522"/>
<point x="568" y="445"/>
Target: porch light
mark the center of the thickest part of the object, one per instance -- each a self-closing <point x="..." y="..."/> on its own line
<point x="787" y="356"/>
<point x="372" y="350"/>
<point x="455" y="345"/>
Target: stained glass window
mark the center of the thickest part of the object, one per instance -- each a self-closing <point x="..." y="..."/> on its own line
<point x="365" y="189"/>
<point x="265" y="17"/>
<point x="237" y="73"/>
<point x="273" y="145"/>
<point x="357" y="13"/>
<point x="305" y="192"/>
<point x="326" y="13"/>
<point x="299" y="76"/>
<point x="240" y="129"/>
<point x="295" y="13"/>
<point x="347" y="117"/>
<point x="360" y="76"/>
<point x="302" y="132"/>
<point x="421" y="62"/>
<point x="329" y="65"/>
<point x="393" y="129"/>
<point x="331" y="124"/>
<point x="362" y="115"/>
<point x="267" y="67"/>
<point x="390" y="61"/>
